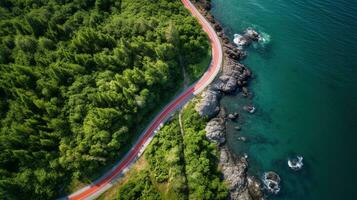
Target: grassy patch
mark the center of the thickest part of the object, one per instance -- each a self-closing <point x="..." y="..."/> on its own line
<point x="139" y="166"/>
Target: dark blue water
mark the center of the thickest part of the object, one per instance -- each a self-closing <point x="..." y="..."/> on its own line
<point x="305" y="91"/>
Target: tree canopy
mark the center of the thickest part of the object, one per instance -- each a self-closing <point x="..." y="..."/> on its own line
<point x="76" y="79"/>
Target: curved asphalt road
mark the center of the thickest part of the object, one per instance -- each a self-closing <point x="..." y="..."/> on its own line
<point x="107" y="180"/>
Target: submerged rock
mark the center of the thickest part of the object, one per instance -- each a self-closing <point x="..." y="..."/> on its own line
<point x="243" y="139"/>
<point x="249" y="108"/>
<point x="296" y="163"/>
<point x="245" y="91"/>
<point x="233" y="116"/>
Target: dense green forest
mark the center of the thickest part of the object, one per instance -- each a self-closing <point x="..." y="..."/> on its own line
<point x="181" y="165"/>
<point x="76" y="79"/>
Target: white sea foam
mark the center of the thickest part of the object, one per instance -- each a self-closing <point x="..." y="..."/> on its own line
<point x="296" y="163"/>
<point x="239" y="40"/>
<point x="264" y="38"/>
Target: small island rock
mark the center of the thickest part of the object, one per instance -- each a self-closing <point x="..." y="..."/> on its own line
<point x="271" y="181"/>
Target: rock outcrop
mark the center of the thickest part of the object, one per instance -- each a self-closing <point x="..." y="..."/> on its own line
<point x="209" y="104"/>
<point x="233" y="52"/>
<point x="215" y="130"/>
<point x="241" y="186"/>
<point x="233" y="73"/>
<point x="234" y="76"/>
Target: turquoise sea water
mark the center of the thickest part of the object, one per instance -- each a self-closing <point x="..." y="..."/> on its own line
<point x="305" y="91"/>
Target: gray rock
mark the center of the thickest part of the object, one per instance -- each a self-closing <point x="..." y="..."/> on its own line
<point x="233" y="74"/>
<point x="209" y="104"/>
<point x="255" y="188"/>
<point x="233" y="53"/>
<point x="235" y="173"/>
<point x="215" y="130"/>
<point x="227" y="84"/>
<point x="244" y="195"/>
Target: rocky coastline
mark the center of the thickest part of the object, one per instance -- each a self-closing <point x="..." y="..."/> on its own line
<point x="233" y="77"/>
<point x="234" y="168"/>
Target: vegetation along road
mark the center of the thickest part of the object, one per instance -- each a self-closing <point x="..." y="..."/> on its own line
<point x="107" y="180"/>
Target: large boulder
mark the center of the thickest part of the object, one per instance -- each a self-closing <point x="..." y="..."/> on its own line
<point x="209" y="104"/>
<point x="215" y="130"/>
<point x="227" y="84"/>
<point x="233" y="72"/>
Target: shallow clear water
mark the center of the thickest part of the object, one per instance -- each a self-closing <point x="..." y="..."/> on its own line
<point x="305" y="91"/>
